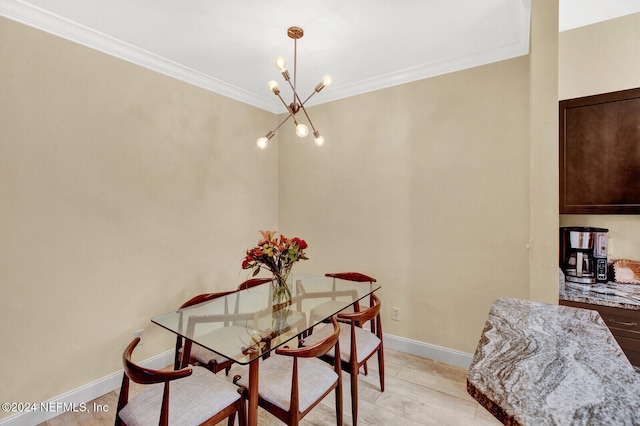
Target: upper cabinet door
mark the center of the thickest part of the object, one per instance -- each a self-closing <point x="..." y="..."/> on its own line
<point x="600" y="154"/>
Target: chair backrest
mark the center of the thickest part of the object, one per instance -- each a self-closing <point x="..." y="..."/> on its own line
<point x="351" y="276"/>
<point x="147" y="376"/>
<point x="177" y="363"/>
<point x="371" y="313"/>
<point x="204" y="298"/>
<point x="252" y="282"/>
<point x="318" y="349"/>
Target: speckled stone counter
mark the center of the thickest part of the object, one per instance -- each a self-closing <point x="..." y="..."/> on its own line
<point x="540" y="364"/>
<point x="615" y="295"/>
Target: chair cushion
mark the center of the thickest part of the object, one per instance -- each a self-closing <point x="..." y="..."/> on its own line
<point x="366" y="342"/>
<point x="327" y="309"/>
<point x="315" y="377"/>
<point x="226" y="338"/>
<point x="192" y="400"/>
<point x="204" y="355"/>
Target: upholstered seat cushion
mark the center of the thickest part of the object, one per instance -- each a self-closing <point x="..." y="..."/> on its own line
<point x="204" y="355"/>
<point x="193" y="400"/>
<point x="366" y="341"/>
<point x="327" y="309"/>
<point x="228" y="339"/>
<point x="314" y="379"/>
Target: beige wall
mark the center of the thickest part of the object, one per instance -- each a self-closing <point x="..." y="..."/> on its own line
<point x="543" y="151"/>
<point x="116" y="181"/>
<point x="600" y="58"/>
<point x="424" y="186"/>
<point x="122" y="193"/>
<point x="430" y="187"/>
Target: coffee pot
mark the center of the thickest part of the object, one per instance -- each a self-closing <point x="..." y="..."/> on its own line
<point x="583" y="254"/>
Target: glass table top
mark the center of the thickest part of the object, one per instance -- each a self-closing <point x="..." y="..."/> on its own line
<point x="244" y="325"/>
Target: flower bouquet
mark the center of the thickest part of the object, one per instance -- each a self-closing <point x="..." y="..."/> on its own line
<point x="277" y="255"/>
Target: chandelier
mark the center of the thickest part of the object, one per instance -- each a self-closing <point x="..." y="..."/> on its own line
<point x="297" y="104"/>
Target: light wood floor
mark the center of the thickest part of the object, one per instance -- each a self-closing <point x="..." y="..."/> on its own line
<point x="418" y="391"/>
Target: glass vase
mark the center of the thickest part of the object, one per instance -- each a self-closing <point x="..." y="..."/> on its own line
<point x="281" y="299"/>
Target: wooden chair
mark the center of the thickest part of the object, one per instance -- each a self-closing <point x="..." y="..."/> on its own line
<point x="196" y="354"/>
<point x="294" y="380"/>
<point x="357" y="346"/>
<point x="197" y="397"/>
<point x="332" y="306"/>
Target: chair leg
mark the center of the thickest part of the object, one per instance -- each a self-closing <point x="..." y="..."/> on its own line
<point x="232" y="419"/>
<point x="339" y="406"/>
<point x="381" y="367"/>
<point x="242" y="409"/>
<point x="354" y="395"/>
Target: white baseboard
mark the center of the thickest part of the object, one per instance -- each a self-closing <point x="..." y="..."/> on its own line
<point x="77" y="398"/>
<point x="425" y="350"/>
<point x="80" y="396"/>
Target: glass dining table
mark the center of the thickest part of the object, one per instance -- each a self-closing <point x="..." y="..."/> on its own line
<point x="245" y="326"/>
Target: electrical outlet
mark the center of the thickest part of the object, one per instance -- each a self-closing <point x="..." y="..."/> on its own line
<point x="395" y="314"/>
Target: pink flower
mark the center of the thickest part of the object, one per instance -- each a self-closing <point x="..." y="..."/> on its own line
<point x="267" y="235"/>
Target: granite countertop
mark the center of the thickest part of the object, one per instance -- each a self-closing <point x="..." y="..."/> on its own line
<point x="542" y="364"/>
<point x="616" y="295"/>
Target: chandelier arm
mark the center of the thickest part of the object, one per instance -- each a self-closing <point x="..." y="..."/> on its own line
<point x="281" y="123"/>
<point x="309" y="97"/>
<point x="295" y="95"/>
<point x="308" y="118"/>
<point x="289" y="110"/>
<point x="284" y="103"/>
<point x="291" y="113"/>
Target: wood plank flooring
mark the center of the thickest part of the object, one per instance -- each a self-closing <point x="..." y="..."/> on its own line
<point x="418" y="391"/>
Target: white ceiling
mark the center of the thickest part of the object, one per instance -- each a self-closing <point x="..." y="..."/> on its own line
<point x="229" y="46"/>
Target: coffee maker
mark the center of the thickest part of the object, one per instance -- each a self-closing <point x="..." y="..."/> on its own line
<point x="583" y="254"/>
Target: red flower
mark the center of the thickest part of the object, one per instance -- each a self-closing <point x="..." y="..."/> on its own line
<point x="301" y="243"/>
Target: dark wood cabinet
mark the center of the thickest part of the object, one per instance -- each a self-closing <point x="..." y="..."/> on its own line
<point x="624" y="324"/>
<point x="600" y="154"/>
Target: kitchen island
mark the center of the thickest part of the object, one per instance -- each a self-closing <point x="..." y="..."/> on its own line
<point x="541" y="364"/>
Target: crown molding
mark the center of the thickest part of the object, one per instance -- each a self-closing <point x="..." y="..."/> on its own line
<point x="518" y="46"/>
<point x="30" y="15"/>
<point x="432" y="69"/>
<point x="35" y="17"/>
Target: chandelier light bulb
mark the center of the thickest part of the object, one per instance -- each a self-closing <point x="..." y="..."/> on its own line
<point x="262" y="142"/>
<point x="302" y="130"/>
<point x="327" y="80"/>
<point x="273" y="85"/>
<point x="281" y="64"/>
<point x="318" y="139"/>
